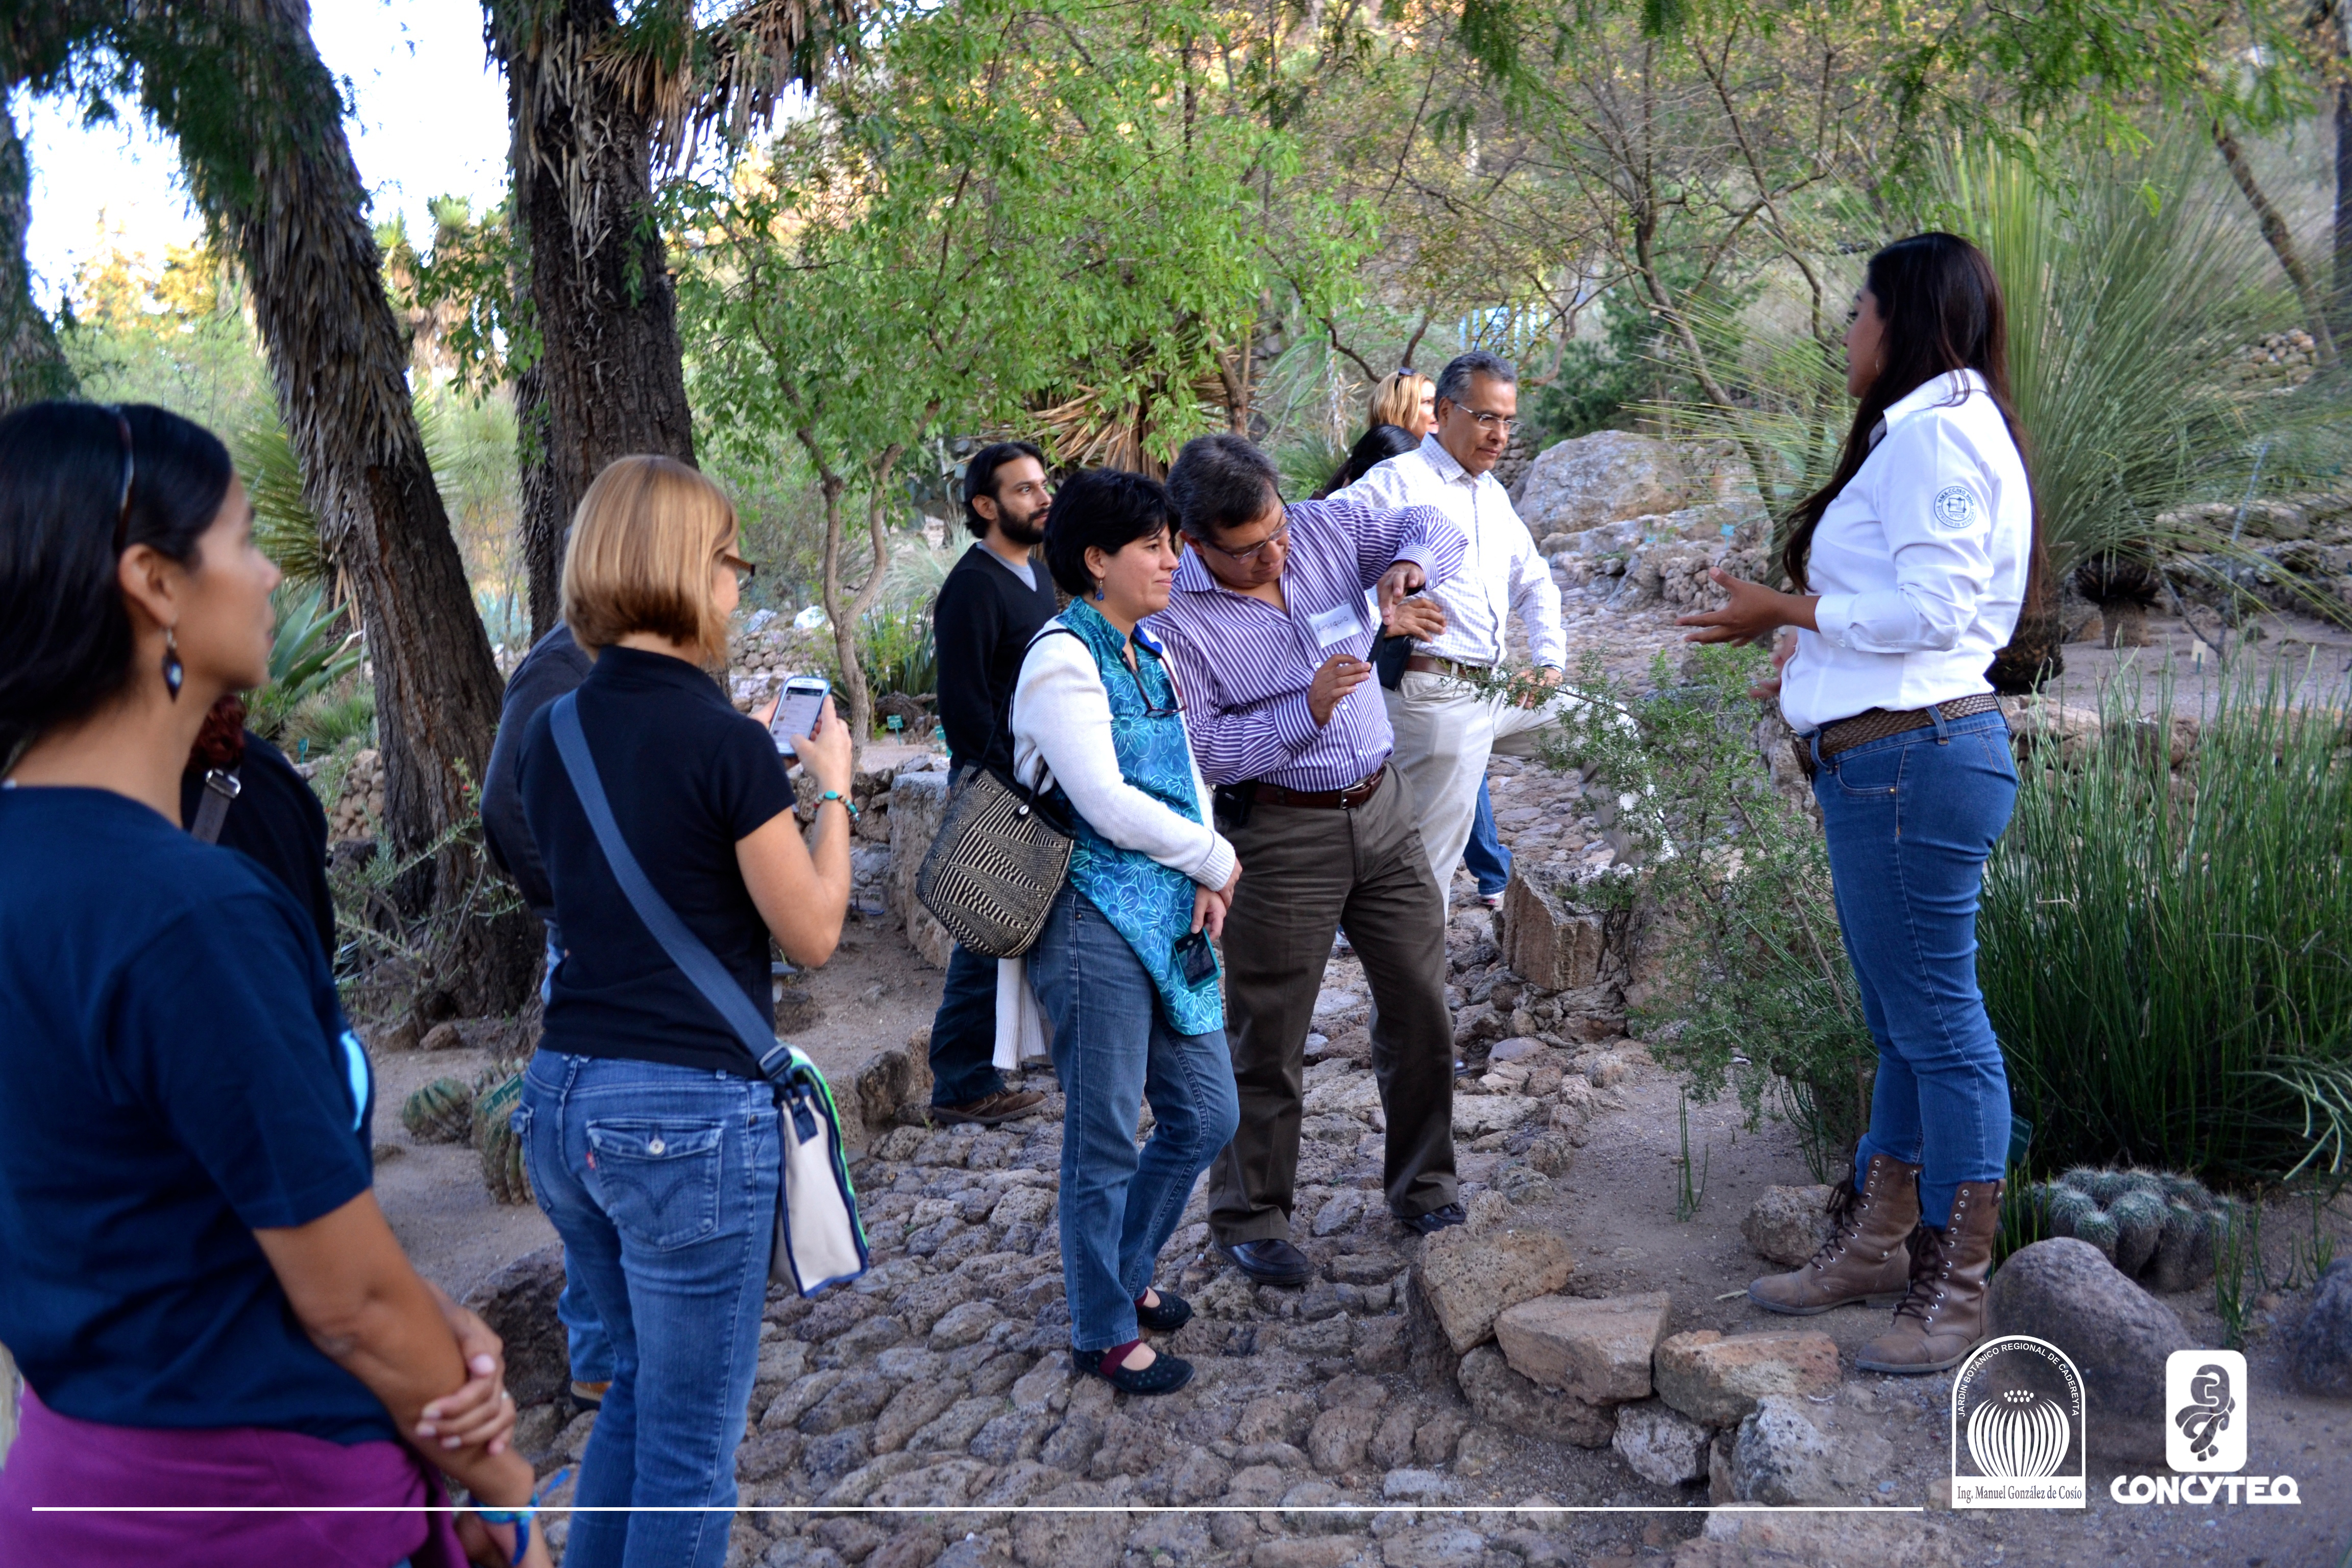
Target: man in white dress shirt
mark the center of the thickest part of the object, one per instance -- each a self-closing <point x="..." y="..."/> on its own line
<point x="1445" y="728"/>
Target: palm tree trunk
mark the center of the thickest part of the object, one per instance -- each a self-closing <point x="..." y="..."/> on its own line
<point x="260" y="123"/>
<point x="610" y="372"/>
<point x="31" y="367"/>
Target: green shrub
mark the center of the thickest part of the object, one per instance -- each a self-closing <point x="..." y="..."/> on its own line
<point x="2167" y="959"/>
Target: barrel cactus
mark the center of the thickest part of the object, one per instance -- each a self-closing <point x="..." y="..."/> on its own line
<point x="495" y="1140"/>
<point x="2157" y="1227"/>
<point x="440" y="1113"/>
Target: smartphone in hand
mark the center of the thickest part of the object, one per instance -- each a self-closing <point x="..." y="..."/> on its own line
<point x="797" y="710"/>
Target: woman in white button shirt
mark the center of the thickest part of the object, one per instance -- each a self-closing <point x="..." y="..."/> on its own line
<point x="1910" y="568"/>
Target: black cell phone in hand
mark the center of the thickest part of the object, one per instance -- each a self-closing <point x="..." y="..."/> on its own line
<point x="1194" y="960"/>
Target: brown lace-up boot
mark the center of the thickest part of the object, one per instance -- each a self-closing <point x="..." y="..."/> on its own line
<point x="1941" y="1317"/>
<point x="1863" y="1255"/>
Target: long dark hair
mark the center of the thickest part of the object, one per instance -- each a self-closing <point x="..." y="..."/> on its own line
<point x="1942" y="308"/>
<point x="64" y="521"/>
<point x="1375" y="446"/>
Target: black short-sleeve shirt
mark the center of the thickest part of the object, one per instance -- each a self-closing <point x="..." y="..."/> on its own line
<point x="687" y="777"/>
<point x="174" y="1074"/>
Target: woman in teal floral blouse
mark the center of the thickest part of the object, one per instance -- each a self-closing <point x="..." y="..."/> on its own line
<point x="1123" y="967"/>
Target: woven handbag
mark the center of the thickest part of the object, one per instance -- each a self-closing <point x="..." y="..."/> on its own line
<point x="990" y="876"/>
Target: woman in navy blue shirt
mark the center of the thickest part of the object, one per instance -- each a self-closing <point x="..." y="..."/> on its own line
<point x="207" y="1305"/>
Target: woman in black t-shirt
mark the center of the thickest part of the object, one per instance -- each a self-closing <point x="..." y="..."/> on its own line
<point x="210" y="1310"/>
<point x="650" y="1136"/>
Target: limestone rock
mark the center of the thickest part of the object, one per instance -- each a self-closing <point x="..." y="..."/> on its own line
<point x="1551" y="942"/>
<point x="519" y="1304"/>
<point x="1405" y="1485"/>
<point x="1717" y="1381"/>
<point x="1753" y="1537"/>
<point x="1660" y="1444"/>
<point x="1467" y="1281"/>
<point x="1614" y="474"/>
<point x="1780" y="1457"/>
<point x="2116" y="1334"/>
<point x="1501" y="1397"/>
<point x="1339" y="1438"/>
<point x="918" y="803"/>
<point x="1596" y="1351"/>
<point x="2319" y="1351"/>
<point x="1787" y="1224"/>
<point x="894" y="1077"/>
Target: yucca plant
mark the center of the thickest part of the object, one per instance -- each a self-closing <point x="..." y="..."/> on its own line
<point x="2128" y="292"/>
<point x="2168" y="958"/>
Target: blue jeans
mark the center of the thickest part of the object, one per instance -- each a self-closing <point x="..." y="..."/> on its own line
<point x="963" y="1033"/>
<point x="590" y="1352"/>
<point x="1113" y="1050"/>
<point x="1911" y="820"/>
<point x="1485" y="855"/>
<point x="662" y="1183"/>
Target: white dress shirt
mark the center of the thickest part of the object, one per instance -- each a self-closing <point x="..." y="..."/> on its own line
<point x="1920" y="561"/>
<point x="1501" y="573"/>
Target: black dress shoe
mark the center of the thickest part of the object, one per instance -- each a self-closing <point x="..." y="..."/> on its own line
<point x="1171" y="1314"/>
<point x="1436" y="1220"/>
<point x="1166" y="1374"/>
<point x="1270" y="1262"/>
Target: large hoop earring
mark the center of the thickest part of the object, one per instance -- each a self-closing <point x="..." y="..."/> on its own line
<point x="173" y="671"/>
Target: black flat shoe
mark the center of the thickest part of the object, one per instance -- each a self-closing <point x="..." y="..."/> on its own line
<point x="1436" y="1220"/>
<point x="1166" y="1374"/>
<point x="1173" y="1313"/>
<point x="1270" y="1262"/>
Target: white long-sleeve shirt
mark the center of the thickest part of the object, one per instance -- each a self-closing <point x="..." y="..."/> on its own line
<point x="1061" y="716"/>
<point x="1920" y="561"/>
<point x="1501" y="573"/>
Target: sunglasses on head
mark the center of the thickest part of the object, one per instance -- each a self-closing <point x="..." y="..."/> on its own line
<point x="130" y="472"/>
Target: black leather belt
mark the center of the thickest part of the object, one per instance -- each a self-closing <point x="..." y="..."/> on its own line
<point x="1877" y="723"/>
<point x="1348" y="799"/>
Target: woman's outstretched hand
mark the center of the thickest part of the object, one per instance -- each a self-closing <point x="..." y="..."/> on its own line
<point x="1754" y="614"/>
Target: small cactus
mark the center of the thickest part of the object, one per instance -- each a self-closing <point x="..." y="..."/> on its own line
<point x="440" y="1113"/>
<point x="495" y="1140"/>
<point x="2157" y="1227"/>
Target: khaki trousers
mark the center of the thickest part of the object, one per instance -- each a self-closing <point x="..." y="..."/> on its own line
<point x="1444" y="733"/>
<point x="1304" y="871"/>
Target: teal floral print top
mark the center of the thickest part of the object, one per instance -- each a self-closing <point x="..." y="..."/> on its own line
<point x="1146" y="902"/>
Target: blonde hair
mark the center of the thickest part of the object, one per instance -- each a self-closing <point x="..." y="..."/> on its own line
<point x="1396" y="399"/>
<point x="643" y="544"/>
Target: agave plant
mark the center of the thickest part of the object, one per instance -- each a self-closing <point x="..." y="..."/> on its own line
<point x="312" y="655"/>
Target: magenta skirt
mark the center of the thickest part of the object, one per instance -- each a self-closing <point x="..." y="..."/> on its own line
<point x="57" y="1460"/>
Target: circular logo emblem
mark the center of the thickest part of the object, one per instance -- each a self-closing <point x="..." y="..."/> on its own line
<point x="1954" y="507"/>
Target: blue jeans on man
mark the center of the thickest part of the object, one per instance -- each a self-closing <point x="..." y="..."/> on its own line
<point x="662" y="1182"/>
<point x="1911" y="820"/>
<point x="963" y="1033"/>
<point x="1485" y="855"/>
<point x="1113" y="1051"/>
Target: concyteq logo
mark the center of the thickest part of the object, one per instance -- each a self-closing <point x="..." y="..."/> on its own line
<point x="2018" y="1435"/>
<point x="2205" y="1421"/>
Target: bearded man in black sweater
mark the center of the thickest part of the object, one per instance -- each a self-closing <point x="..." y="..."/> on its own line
<point x="988" y="609"/>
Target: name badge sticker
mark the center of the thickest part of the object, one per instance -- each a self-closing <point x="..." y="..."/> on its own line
<point x="1337" y="624"/>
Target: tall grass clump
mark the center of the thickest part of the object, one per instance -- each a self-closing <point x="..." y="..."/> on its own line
<point x="2168" y="955"/>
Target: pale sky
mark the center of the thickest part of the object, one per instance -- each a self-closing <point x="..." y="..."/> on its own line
<point x="431" y="120"/>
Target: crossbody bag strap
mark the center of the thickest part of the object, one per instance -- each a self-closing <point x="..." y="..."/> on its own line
<point x="685" y="949"/>
<point x="222" y="787"/>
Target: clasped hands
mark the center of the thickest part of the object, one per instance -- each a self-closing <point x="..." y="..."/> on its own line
<point x="1756" y="614"/>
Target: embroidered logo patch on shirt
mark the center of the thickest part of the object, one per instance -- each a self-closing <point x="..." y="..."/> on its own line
<point x="1955" y="508"/>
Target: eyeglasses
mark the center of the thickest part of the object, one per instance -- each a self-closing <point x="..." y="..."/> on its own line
<point x="744" y="570"/>
<point x="130" y="472"/>
<point x="1491" y="421"/>
<point x="1152" y="710"/>
<point x="1244" y="557"/>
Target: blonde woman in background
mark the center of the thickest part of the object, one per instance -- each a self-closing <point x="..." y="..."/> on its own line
<point x="1405" y="399"/>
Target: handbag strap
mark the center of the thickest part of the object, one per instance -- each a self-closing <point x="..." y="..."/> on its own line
<point x="685" y="949"/>
<point x="221" y="789"/>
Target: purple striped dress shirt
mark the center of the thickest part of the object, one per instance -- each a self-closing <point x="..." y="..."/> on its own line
<point x="1245" y="666"/>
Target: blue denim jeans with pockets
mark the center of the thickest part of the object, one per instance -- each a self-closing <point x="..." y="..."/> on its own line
<point x="1113" y="1050"/>
<point x="662" y="1182"/>
<point x="1911" y="820"/>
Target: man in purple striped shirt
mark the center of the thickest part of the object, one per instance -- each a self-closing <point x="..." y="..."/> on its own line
<point x="1268" y="629"/>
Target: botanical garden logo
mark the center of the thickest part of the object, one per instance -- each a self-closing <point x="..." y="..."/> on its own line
<point x="2017" y="1428"/>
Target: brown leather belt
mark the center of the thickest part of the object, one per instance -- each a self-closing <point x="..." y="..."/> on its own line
<point x="1877" y="723"/>
<point x="1430" y="664"/>
<point x="1348" y="799"/>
